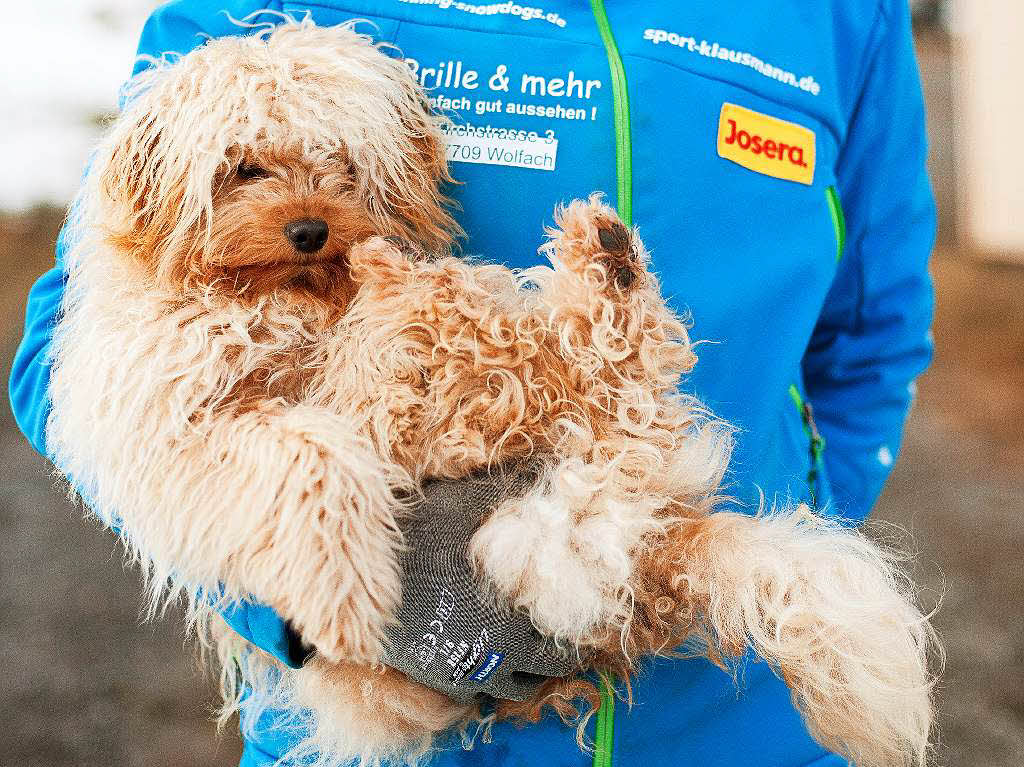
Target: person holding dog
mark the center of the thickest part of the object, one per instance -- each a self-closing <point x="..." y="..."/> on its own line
<point x="780" y="154"/>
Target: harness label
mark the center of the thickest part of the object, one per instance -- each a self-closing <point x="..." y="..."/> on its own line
<point x="766" y="145"/>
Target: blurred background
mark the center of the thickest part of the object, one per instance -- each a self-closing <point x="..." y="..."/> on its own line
<point x="85" y="683"/>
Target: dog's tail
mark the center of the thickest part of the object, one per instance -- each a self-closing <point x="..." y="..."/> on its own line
<point x="835" y="616"/>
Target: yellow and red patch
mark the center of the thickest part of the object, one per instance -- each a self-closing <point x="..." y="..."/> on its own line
<point x="766" y="144"/>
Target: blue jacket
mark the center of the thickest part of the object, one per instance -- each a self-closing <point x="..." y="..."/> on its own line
<point x="773" y="157"/>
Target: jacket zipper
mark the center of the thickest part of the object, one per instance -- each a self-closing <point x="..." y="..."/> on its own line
<point x="815" y="440"/>
<point x="604" y="736"/>
<point x="835" y="207"/>
<point x="604" y="732"/>
<point x="623" y="138"/>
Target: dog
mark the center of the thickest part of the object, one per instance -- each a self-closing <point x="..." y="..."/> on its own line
<point x="266" y="346"/>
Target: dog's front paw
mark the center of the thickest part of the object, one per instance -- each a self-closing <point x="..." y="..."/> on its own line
<point x="381" y="259"/>
<point x="591" y="240"/>
<point x="329" y="563"/>
<point x="355" y="630"/>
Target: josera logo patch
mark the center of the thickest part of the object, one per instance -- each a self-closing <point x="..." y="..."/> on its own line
<point x="766" y="144"/>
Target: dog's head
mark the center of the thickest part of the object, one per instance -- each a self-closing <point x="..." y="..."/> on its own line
<point x="253" y="163"/>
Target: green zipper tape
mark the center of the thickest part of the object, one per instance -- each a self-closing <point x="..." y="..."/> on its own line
<point x="623" y="141"/>
<point x="604" y="736"/>
<point x="794" y="394"/>
<point x="816" y="441"/>
<point x="600" y="737"/>
<point x="835" y="207"/>
<point x="604" y="733"/>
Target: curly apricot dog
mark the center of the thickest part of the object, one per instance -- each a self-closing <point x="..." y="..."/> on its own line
<point x="256" y="362"/>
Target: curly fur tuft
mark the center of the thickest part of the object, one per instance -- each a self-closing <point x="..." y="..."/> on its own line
<point x="833" y="612"/>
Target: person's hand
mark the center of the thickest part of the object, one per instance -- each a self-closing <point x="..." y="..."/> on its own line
<point x="450" y="635"/>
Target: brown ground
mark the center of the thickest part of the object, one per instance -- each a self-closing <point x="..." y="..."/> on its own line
<point x="959" y="489"/>
<point x="85" y="684"/>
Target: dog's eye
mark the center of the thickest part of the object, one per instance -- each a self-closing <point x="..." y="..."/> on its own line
<point x="248" y="172"/>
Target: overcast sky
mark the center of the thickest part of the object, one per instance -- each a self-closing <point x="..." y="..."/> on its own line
<point x="61" y="64"/>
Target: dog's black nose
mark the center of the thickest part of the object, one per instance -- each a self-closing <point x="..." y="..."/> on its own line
<point x="308" y="235"/>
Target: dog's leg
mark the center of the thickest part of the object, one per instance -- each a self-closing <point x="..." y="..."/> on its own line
<point x="617" y="341"/>
<point x="831" y="612"/>
<point x="288" y="505"/>
<point x="631" y="452"/>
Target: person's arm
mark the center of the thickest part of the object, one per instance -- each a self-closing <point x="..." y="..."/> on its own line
<point x="181" y="25"/>
<point x="30" y="370"/>
<point x="873" y="337"/>
<point x="176" y="27"/>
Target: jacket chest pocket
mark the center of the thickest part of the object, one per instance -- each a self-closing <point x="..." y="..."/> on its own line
<point x="739" y="181"/>
<point x="735" y="195"/>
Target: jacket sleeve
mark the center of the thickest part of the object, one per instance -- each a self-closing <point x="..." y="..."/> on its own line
<point x="873" y="337"/>
<point x="176" y="27"/>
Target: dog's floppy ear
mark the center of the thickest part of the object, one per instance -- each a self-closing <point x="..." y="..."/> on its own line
<point x="429" y="216"/>
<point x="146" y="176"/>
<point x="404" y="185"/>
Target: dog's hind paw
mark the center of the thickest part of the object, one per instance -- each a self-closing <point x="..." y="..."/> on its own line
<point x="529" y="553"/>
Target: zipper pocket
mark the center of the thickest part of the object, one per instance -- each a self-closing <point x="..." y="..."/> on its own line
<point x="815" y="442"/>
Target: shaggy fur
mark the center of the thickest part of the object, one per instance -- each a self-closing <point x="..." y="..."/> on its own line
<point x="248" y="416"/>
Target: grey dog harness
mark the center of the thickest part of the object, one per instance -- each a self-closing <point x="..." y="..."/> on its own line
<point x="450" y="635"/>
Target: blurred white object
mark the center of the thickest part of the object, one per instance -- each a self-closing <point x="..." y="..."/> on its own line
<point x="989" y="96"/>
<point x="61" y="65"/>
